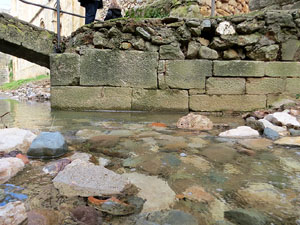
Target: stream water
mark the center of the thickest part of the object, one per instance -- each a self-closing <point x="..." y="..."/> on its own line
<point x="208" y="174"/>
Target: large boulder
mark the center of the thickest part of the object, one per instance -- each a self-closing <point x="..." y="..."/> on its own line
<point x="195" y="122"/>
<point x="15" y="138"/>
<point x="85" y="179"/>
<point x="48" y="145"/>
<point x="9" y="167"/>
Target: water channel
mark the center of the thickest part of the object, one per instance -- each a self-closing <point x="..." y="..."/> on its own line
<point x="219" y="174"/>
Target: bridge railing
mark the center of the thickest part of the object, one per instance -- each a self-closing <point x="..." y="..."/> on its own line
<point x="58" y="10"/>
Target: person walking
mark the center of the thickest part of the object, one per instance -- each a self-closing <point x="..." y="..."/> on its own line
<point x="91" y="7"/>
<point x="114" y="11"/>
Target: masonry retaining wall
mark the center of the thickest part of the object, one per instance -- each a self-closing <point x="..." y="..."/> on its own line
<point x="173" y="64"/>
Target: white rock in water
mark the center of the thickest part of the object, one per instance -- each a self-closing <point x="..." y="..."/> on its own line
<point x="280" y="130"/>
<point x="15" y="138"/>
<point x="81" y="178"/>
<point x="284" y="118"/>
<point x="13" y="213"/>
<point x="240" y="132"/>
<point x="194" y="122"/>
<point x="155" y="191"/>
<point x="225" y="28"/>
<point x="9" y="167"/>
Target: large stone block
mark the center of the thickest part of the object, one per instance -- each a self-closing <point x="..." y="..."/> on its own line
<point x="216" y="85"/>
<point x="119" y="68"/>
<point x="227" y="102"/>
<point x="265" y="85"/>
<point x="187" y="74"/>
<point x="239" y="68"/>
<point x="110" y="98"/>
<point x="160" y="100"/>
<point x="290" y="50"/>
<point x="293" y="85"/>
<point x="64" y="69"/>
<point x="283" y="69"/>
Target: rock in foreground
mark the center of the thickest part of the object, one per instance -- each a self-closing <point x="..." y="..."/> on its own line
<point x="86" y="179"/>
<point x="195" y="122"/>
<point x="48" y="145"/>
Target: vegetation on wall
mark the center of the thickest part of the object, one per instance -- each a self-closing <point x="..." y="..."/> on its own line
<point x="10" y="69"/>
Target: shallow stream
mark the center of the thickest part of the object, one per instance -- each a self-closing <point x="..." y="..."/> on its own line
<point x="208" y="174"/>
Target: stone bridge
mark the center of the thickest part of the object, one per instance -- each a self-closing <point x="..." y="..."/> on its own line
<point x="24" y="40"/>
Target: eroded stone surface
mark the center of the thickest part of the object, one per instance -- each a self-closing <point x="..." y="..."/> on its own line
<point x="86" y="179"/>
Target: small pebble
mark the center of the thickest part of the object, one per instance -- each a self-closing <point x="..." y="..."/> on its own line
<point x="183" y="154"/>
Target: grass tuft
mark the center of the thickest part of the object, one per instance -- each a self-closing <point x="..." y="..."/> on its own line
<point x="16" y="84"/>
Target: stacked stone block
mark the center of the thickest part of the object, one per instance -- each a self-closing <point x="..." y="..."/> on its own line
<point x="227" y="64"/>
<point x="149" y="84"/>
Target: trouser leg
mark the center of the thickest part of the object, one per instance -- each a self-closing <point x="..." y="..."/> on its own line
<point x="90" y="11"/>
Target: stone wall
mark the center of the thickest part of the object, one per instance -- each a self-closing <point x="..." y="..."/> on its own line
<point x="226" y="64"/>
<point x="274" y="4"/>
<point x="181" y="8"/>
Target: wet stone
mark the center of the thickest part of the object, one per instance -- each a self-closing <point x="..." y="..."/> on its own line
<point x="43" y="217"/>
<point x="87" y="215"/>
<point x="219" y="153"/>
<point x="271" y="134"/>
<point x="48" y="145"/>
<point x="246" y="217"/>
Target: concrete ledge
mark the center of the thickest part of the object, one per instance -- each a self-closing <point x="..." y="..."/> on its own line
<point x="238" y="68"/>
<point x="87" y="98"/>
<point x="265" y="85"/>
<point x="119" y="68"/>
<point x="160" y="100"/>
<point x="227" y="102"/>
<point x="187" y="74"/>
<point x="216" y="85"/>
<point x="283" y="69"/>
<point x="65" y="69"/>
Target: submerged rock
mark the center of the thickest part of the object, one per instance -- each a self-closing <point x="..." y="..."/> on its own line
<point x="198" y="193"/>
<point x="48" y="145"/>
<point x="86" y="215"/>
<point x="13" y="213"/>
<point x="88" y="134"/>
<point x="43" y="217"/>
<point x="219" y="153"/>
<point x="240" y="132"/>
<point x="172" y="217"/>
<point x="290" y="141"/>
<point x="112" y="206"/>
<point x="9" y="167"/>
<point x="156" y="192"/>
<point x="246" y="217"/>
<point x="15" y="138"/>
<point x="256" y="144"/>
<point x="53" y="168"/>
<point x="86" y="179"/>
<point x="195" y="122"/>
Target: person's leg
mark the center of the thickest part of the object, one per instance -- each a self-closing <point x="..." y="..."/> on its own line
<point x="90" y="11"/>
